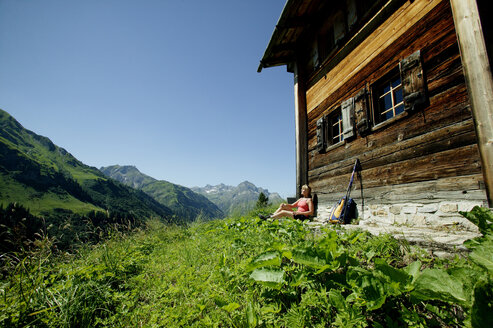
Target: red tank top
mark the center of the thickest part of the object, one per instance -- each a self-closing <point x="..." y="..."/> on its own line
<point x="302" y="205"/>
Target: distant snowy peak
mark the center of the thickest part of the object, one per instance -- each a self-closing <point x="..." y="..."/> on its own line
<point x="239" y="199"/>
<point x="220" y="188"/>
<point x="245" y="186"/>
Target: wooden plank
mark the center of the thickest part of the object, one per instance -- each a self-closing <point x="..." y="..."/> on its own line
<point x="450" y="163"/>
<point x="409" y="128"/>
<point x="478" y="79"/>
<point x="439" y="46"/>
<point x="446" y="109"/>
<point x="369" y="49"/>
<point x="446" y="138"/>
<point x="445" y="189"/>
<point x="301" y="132"/>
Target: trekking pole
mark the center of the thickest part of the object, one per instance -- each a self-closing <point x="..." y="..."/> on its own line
<point x="356" y="166"/>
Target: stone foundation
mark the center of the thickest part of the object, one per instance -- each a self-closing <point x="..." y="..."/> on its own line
<point x="437" y="227"/>
<point x="440" y="216"/>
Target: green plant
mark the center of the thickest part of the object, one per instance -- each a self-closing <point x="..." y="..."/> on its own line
<point x="246" y="272"/>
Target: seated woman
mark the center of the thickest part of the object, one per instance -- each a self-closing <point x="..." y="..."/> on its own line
<point x="302" y="209"/>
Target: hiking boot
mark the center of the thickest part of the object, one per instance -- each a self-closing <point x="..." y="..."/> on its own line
<point x="263" y="217"/>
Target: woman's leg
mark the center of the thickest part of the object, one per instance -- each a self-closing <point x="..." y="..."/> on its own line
<point x="282" y="207"/>
<point x="282" y="213"/>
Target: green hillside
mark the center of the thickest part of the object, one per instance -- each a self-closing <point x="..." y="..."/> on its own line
<point x="48" y="180"/>
<point x="182" y="201"/>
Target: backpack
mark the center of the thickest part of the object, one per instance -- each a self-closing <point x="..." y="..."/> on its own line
<point x="344" y="211"/>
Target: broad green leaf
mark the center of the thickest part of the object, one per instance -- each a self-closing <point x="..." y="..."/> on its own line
<point x="270" y="278"/>
<point x="308" y="257"/>
<point x="251" y="315"/>
<point x="482" y="255"/>
<point x="366" y="287"/>
<point x="271" y="308"/>
<point x="327" y="267"/>
<point x="481" y="217"/>
<point x="330" y="242"/>
<point x="468" y="276"/>
<point x="436" y="284"/>
<point x="280" y="247"/>
<point x="413" y="270"/>
<point x="396" y="279"/>
<point x="287" y="254"/>
<point x="337" y="300"/>
<point x="482" y="308"/>
<point x="231" y="307"/>
<point x="272" y="258"/>
<point x="373" y="292"/>
<point x="354" y="273"/>
<point x="370" y="254"/>
<point x="340" y="260"/>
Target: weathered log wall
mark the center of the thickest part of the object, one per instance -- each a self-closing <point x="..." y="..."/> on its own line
<point x="426" y="157"/>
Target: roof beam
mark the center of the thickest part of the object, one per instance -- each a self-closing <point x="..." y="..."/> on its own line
<point x="294" y="22"/>
<point x="284" y="47"/>
<point x="271" y="62"/>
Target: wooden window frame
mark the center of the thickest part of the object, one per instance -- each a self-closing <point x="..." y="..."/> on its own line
<point x="377" y="94"/>
<point x="326" y="139"/>
<point x="335" y="118"/>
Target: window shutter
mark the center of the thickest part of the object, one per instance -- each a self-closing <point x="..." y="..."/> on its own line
<point x="413" y="82"/>
<point x="361" y="112"/>
<point x="321" y="134"/>
<point x="352" y="13"/>
<point x="339" y="26"/>
<point x="347" y="111"/>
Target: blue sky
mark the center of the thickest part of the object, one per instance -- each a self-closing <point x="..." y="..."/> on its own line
<point x="170" y="86"/>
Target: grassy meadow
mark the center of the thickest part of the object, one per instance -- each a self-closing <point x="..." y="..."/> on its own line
<point x="245" y="272"/>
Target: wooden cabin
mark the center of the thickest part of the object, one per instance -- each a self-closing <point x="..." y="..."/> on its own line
<point x="403" y="86"/>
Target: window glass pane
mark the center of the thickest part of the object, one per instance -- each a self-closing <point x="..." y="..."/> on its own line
<point x="335" y="130"/>
<point x="396" y="82"/>
<point x="386" y="102"/>
<point x="386" y="89"/>
<point x="336" y="127"/>
<point x="387" y="115"/>
<point x="399" y="109"/>
<point x="398" y="96"/>
<point x="381" y="106"/>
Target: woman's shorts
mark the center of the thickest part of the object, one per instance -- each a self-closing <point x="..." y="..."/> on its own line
<point x="300" y="217"/>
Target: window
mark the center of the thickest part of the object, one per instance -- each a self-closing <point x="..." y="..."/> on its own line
<point x="329" y="130"/>
<point x="325" y="43"/>
<point x="388" y="98"/>
<point x="334" y="121"/>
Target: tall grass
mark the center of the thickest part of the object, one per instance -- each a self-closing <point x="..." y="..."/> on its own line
<point x="223" y="274"/>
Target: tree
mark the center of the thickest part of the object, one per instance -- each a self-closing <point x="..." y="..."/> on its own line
<point x="262" y="201"/>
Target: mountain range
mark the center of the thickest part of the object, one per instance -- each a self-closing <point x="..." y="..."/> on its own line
<point x="48" y="181"/>
<point x="184" y="203"/>
<point x="236" y="200"/>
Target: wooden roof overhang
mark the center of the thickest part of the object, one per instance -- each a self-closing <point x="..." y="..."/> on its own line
<point x="299" y="21"/>
<point x="296" y="18"/>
